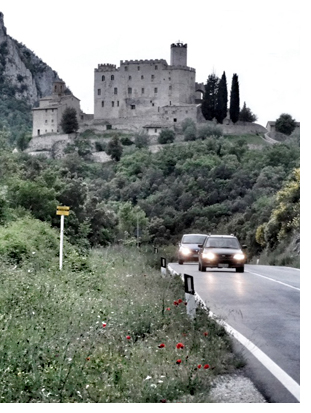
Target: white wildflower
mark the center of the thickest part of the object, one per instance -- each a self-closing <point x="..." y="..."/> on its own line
<point x="148" y="378"/>
<point x="153" y="385"/>
<point x="160" y="381"/>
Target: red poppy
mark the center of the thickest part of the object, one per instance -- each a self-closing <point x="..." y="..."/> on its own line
<point x="206" y="333"/>
<point x="206" y="366"/>
<point x="179" y="301"/>
<point x="178" y="361"/>
<point x="168" y="309"/>
<point x="161" y="345"/>
<point x="175" y="302"/>
<point x="104" y="325"/>
<point x="128" y="337"/>
<point x="199" y="366"/>
<point x="180" y="345"/>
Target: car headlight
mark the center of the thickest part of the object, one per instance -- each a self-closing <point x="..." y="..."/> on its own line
<point x="209" y="255"/>
<point x="185" y="250"/>
<point x="239" y="257"/>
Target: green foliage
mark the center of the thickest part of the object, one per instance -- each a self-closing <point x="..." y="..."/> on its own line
<point x="69" y="122"/>
<point x="166" y="136"/>
<point x="285" y="124"/>
<point x="114" y="148"/>
<point x="234" y="99"/>
<point x="28" y="240"/>
<point x="246" y="115"/>
<point x="141" y="140"/>
<point x="206" y="131"/>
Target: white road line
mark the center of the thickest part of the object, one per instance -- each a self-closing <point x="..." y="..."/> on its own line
<point x="290" y="384"/>
<point x="271" y="279"/>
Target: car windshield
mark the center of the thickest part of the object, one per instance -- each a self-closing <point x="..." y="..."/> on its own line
<point x="193" y="239"/>
<point x="222" y="243"/>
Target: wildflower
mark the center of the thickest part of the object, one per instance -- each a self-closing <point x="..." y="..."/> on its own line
<point x="162" y="345"/>
<point x="206" y="366"/>
<point x="104" y="324"/>
<point x="160" y="381"/>
<point x="199" y="366"/>
<point x="168" y="309"/>
<point x="180" y="301"/>
<point x="88" y="359"/>
<point x="180" y="345"/>
<point x="175" y="303"/>
<point x="128" y="337"/>
<point x="148" y="378"/>
<point x="153" y="385"/>
<point x="178" y="361"/>
<point x="205" y="333"/>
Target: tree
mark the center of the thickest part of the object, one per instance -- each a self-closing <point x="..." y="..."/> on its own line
<point x="235" y="99"/>
<point x="114" y="148"/>
<point x="69" y="121"/>
<point x="210" y="97"/>
<point x="285" y="124"/>
<point x="246" y="115"/>
<point x="222" y="99"/>
<point x="166" y="136"/>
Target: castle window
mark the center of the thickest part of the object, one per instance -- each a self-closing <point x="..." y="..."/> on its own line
<point x="46" y="121"/>
<point x="112" y="77"/>
<point x="142" y="90"/>
<point x="142" y="76"/>
<point x="155" y="90"/>
<point x="170" y="88"/>
<point x="112" y="104"/>
<point x="115" y="90"/>
<point x="108" y="127"/>
<point x="103" y="78"/>
<point x="138" y="67"/>
<point x="103" y="103"/>
<point x="156" y="67"/>
<point x="125" y="68"/>
<point x="155" y="130"/>
<point x="132" y="106"/>
<point x="129" y="90"/>
<point x="99" y="92"/>
<point x="152" y="77"/>
<point x="118" y="103"/>
<point x="130" y="77"/>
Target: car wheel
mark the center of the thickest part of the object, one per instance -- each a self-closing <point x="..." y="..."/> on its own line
<point x="240" y="269"/>
<point x="180" y="262"/>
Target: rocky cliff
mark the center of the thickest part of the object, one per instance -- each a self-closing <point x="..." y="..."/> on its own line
<point x="22" y="74"/>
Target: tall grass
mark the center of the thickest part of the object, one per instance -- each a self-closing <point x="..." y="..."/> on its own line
<point x="93" y="333"/>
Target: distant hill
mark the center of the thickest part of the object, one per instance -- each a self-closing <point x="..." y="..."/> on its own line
<point x="24" y="79"/>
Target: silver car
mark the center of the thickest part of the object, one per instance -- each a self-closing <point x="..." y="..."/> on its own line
<point x="189" y="247"/>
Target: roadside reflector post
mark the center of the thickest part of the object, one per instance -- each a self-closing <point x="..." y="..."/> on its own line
<point x="189" y="295"/>
<point x="62" y="211"/>
<point x="163" y="266"/>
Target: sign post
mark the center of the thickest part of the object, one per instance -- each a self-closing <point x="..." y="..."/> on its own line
<point x="189" y="295"/>
<point x="163" y="265"/>
<point x="62" y="211"/>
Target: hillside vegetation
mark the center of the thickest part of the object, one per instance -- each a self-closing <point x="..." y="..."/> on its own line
<point x="216" y="184"/>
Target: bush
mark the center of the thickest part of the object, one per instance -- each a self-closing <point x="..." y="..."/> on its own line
<point x="166" y="136"/>
<point x="190" y="133"/>
<point x="141" y="140"/>
<point x="209" y="130"/>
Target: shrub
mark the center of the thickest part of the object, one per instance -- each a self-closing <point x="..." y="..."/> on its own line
<point x="190" y="133"/>
<point x="209" y="130"/>
<point x="141" y="140"/>
<point x="166" y="136"/>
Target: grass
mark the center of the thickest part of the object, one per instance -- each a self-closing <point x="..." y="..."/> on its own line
<point x="249" y="138"/>
<point x="55" y="348"/>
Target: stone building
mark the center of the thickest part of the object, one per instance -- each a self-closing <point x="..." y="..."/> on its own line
<point x="47" y="117"/>
<point x="149" y="94"/>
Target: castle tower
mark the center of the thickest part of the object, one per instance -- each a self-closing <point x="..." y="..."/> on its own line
<point x="178" y="54"/>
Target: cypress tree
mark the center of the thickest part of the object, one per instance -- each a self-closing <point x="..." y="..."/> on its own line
<point x="235" y="99"/>
<point x="222" y="99"/>
<point x="210" y="97"/>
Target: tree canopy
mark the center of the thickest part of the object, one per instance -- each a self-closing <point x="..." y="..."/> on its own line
<point x="285" y="124"/>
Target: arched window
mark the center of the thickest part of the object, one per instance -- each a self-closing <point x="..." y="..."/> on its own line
<point x="103" y="78"/>
<point x="112" y="77"/>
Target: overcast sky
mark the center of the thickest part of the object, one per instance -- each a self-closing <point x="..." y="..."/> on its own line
<point x="258" y="40"/>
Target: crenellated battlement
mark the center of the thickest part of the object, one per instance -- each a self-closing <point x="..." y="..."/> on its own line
<point x="146" y="61"/>
<point x="105" y="67"/>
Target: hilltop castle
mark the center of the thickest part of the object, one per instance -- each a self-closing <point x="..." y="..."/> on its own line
<point x="148" y="94"/>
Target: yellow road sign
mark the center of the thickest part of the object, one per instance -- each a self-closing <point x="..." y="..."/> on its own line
<point x="60" y="212"/>
<point x="63" y="208"/>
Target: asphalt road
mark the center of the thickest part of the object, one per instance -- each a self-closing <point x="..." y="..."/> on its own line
<point x="262" y="308"/>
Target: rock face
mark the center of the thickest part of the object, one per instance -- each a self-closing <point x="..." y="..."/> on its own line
<point x="27" y="76"/>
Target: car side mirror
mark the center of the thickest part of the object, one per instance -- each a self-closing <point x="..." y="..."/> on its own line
<point x="200" y="245"/>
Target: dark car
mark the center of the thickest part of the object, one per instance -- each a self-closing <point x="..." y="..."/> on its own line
<point x="189" y="247"/>
<point x="221" y="251"/>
